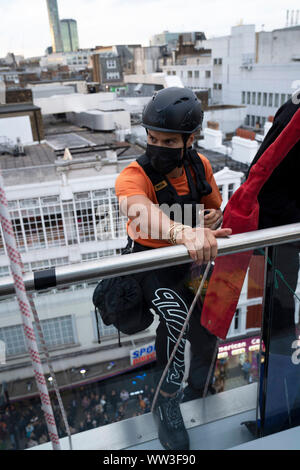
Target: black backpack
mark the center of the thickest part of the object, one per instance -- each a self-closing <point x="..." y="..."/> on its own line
<point x="119" y="301"/>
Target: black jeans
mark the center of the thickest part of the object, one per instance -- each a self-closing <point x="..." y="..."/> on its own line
<point x="166" y="292"/>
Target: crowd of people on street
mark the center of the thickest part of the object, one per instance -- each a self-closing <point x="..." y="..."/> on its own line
<point x="22" y="425"/>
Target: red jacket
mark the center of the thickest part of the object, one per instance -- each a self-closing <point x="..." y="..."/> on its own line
<point x="242" y="215"/>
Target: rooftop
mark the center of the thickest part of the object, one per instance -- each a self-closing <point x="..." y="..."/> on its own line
<point x="39" y="161"/>
<point x="17" y="107"/>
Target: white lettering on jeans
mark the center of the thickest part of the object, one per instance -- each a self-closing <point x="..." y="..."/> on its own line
<point x="174" y="311"/>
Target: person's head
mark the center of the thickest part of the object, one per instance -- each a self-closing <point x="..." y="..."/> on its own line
<point x="168" y="139"/>
<point x="171" y="118"/>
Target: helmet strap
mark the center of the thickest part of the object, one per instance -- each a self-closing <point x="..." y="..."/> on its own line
<point x="185" y="138"/>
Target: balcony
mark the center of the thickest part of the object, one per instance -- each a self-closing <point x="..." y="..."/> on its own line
<point x="267" y="395"/>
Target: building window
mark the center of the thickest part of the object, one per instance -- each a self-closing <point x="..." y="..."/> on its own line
<point x="282" y="99"/>
<point x="243" y="97"/>
<point x="230" y="190"/>
<point x="48" y="222"/>
<point x="236" y="320"/>
<point x="247" y="120"/>
<point x="97" y="255"/>
<point x="271" y="99"/>
<point x="217" y="61"/>
<point x="44" y="264"/>
<point x="104" y="330"/>
<point x="190" y="74"/>
<point x="174" y="72"/>
<point x="248" y="97"/>
<point x="112" y="75"/>
<point x="196" y="73"/>
<point x="37" y="224"/>
<point x="276" y="100"/>
<point x="265" y="95"/>
<point x="252" y="121"/>
<point x="259" y="98"/>
<point x="4" y="271"/>
<point x="207" y="74"/>
<point x="253" y="97"/>
<point x="215" y="86"/>
<point x="14" y="339"/>
<point x="111" y="64"/>
<point x="58" y="331"/>
<point x="219" y="86"/>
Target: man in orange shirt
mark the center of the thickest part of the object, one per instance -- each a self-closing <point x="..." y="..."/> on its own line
<point x="159" y="191"/>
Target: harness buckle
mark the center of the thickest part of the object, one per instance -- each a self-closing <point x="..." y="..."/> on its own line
<point x="160" y="185"/>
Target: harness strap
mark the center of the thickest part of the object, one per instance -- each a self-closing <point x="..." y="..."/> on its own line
<point x="165" y="192"/>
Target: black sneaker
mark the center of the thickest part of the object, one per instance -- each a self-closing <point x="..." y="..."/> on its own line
<point x="171" y="429"/>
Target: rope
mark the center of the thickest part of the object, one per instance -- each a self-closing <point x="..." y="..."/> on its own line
<point x="26" y="315"/>
<point x="281" y="276"/>
<point x="51" y="370"/>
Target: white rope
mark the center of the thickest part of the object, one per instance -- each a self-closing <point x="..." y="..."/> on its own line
<point x="26" y="315"/>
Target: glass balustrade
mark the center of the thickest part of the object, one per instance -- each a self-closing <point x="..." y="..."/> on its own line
<point x="106" y="383"/>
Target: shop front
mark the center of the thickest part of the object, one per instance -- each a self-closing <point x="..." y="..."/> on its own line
<point x="237" y="363"/>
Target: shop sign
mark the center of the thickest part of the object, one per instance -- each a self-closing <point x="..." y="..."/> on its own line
<point x="238" y="347"/>
<point x="142" y="354"/>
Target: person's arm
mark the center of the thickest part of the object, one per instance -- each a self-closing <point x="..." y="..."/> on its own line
<point x="213" y="215"/>
<point x="212" y="218"/>
<point x="201" y="243"/>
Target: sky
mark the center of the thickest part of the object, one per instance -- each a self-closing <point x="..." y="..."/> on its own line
<point x="25" y="25"/>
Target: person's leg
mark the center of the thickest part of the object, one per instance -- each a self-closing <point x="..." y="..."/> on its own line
<point x="203" y="357"/>
<point x="166" y="295"/>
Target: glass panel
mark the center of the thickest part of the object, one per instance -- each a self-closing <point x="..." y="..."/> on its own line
<point x="101" y="383"/>
<point x="280" y="398"/>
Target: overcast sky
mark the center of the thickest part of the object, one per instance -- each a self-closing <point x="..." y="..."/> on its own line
<point x="25" y="26"/>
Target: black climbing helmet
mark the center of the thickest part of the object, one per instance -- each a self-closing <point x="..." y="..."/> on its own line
<point x="173" y="109"/>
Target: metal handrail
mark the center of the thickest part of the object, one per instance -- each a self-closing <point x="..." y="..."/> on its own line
<point x="153" y="259"/>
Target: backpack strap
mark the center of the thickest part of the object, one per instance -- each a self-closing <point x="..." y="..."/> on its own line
<point x="203" y="187"/>
<point x="165" y="192"/>
<point x="97" y="325"/>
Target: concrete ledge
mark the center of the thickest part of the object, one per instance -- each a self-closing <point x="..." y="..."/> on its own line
<point x="131" y="433"/>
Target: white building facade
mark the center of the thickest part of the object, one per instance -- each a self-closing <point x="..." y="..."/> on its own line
<point x="59" y="223"/>
<point x="254" y="69"/>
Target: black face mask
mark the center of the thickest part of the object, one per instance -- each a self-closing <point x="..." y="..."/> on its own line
<point x="164" y="159"/>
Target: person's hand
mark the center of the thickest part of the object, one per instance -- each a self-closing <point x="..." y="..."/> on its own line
<point x="201" y="243"/>
<point x="212" y="218"/>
